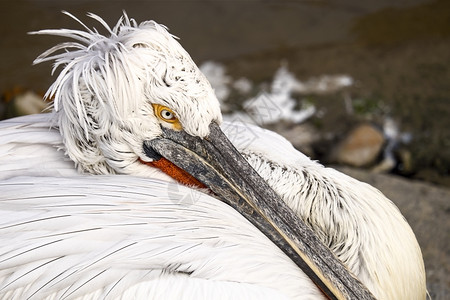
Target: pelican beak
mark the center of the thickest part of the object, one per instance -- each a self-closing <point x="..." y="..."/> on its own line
<point x="216" y="163"/>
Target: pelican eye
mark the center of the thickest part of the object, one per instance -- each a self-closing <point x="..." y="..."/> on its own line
<point x="167" y="115"/>
<point x="164" y="113"/>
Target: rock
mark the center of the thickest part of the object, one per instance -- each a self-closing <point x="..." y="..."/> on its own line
<point x="360" y="148"/>
<point x="29" y="103"/>
<point x="302" y="137"/>
<point x="385" y="166"/>
<point x="21" y="102"/>
<point x="406" y="162"/>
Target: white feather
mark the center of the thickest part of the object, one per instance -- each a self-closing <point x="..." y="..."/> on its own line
<point x="119" y="235"/>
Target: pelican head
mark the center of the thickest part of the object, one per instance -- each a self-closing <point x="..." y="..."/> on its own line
<point x="116" y="92"/>
<point x="134" y="102"/>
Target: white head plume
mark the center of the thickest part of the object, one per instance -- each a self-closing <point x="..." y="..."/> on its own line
<point x="103" y="94"/>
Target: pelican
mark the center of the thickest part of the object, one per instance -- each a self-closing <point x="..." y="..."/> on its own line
<point x="132" y="108"/>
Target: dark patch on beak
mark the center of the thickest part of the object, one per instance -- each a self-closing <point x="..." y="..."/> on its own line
<point x="151" y="153"/>
<point x="216" y="163"/>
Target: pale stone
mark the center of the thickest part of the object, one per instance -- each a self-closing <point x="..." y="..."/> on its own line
<point x="29" y="103"/>
<point x="302" y="137"/>
<point x="360" y="147"/>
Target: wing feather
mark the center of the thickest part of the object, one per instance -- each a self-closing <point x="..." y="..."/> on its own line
<point x="124" y="236"/>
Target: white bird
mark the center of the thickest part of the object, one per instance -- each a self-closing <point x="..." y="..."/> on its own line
<point x="134" y="103"/>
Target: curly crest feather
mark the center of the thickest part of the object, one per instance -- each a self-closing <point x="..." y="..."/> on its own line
<point x="106" y="86"/>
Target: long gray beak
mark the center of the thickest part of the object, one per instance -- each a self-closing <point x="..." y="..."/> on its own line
<point x="216" y="163"/>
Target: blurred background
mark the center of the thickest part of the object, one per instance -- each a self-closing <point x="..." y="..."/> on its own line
<point x="351" y="83"/>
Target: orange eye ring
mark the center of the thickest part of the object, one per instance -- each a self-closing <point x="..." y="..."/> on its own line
<point x="164" y="113"/>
